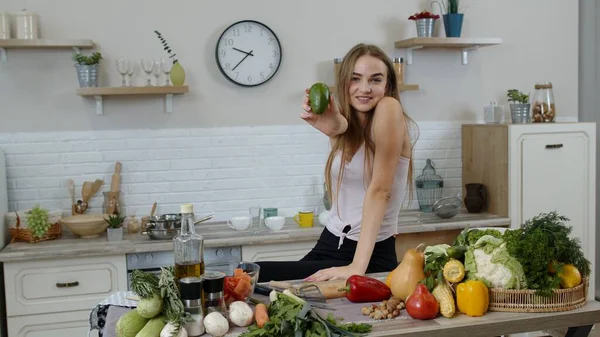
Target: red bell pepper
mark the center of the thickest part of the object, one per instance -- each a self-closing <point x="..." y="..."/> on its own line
<point x="361" y="289"/>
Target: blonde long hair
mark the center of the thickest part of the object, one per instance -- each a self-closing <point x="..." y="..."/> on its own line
<point x="350" y="141"/>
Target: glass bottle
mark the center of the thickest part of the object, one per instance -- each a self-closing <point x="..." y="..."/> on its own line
<point x="543" y="109"/>
<point x="188" y="247"/>
<point x="111" y="203"/>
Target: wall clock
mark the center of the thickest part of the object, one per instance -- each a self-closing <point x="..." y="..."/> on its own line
<point x="248" y="53"/>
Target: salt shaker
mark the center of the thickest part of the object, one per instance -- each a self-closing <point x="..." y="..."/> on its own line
<point x="191" y="296"/>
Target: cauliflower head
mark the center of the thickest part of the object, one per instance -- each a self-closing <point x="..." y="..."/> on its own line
<point x="488" y="260"/>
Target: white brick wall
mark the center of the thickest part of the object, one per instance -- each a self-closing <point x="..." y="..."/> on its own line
<point x="222" y="170"/>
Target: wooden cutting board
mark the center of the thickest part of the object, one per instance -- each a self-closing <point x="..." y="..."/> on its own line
<point x="329" y="289"/>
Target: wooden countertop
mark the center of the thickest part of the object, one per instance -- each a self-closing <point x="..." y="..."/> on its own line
<point x="490" y="324"/>
<point x="218" y="234"/>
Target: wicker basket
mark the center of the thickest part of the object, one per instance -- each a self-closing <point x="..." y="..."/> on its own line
<point x="17" y="222"/>
<point x="511" y="300"/>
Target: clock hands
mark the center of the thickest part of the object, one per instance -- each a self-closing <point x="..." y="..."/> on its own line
<point x="241" y="51"/>
<point x="247" y="54"/>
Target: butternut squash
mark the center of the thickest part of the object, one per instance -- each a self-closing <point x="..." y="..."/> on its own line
<point x="404" y="279"/>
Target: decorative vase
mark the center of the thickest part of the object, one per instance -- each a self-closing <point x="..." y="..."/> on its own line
<point x="425" y="27"/>
<point x="177" y="74"/>
<point x="476" y="197"/>
<point x="520" y="113"/>
<point x="87" y="75"/>
<point x="114" y="234"/>
<point x="453" y="24"/>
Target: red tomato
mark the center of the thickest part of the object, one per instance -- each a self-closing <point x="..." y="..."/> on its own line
<point x="421" y="304"/>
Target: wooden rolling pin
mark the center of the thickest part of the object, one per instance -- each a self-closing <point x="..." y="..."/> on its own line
<point x="329" y="289"/>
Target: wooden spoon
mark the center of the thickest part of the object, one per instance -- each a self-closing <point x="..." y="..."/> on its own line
<point x="153" y="209"/>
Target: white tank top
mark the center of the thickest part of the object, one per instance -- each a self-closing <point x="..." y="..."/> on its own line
<point x="352" y="195"/>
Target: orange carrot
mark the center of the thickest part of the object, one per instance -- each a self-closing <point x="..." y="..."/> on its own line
<point x="261" y="315"/>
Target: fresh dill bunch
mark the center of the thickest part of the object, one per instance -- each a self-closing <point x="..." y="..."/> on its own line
<point x="542" y="240"/>
<point x="145" y="285"/>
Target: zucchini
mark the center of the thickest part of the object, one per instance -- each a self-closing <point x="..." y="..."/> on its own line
<point x="319" y="97"/>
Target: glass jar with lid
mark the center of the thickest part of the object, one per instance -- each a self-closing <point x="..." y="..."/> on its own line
<point x="543" y="109"/>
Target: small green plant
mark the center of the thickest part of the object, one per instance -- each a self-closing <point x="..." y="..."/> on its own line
<point x="115" y="221"/>
<point x="87" y="60"/>
<point x="450" y="6"/>
<point x="516" y="96"/>
<point x="166" y="46"/>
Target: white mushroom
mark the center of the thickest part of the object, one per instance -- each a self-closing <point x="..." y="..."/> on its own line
<point x="216" y="324"/>
<point x="240" y="313"/>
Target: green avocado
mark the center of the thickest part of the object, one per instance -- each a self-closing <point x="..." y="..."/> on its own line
<point x="319" y="97"/>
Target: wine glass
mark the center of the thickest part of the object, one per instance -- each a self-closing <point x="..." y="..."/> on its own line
<point x="166" y="68"/>
<point x="122" y="68"/>
<point x="156" y="71"/>
<point x="131" y="68"/>
<point x="148" y="66"/>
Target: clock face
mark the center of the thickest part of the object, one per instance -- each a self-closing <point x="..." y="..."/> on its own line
<point x="248" y="53"/>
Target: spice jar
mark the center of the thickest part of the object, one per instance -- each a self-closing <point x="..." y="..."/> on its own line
<point x="398" y="63"/>
<point x="543" y="109"/>
<point x="212" y="285"/>
<point x="337" y="63"/>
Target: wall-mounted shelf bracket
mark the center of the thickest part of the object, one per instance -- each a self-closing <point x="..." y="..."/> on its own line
<point x="3" y="56"/>
<point x="99" y="109"/>
<point x="409" y="53"/>
<point x="169" y="103"/>
<point x="464" y="55"/>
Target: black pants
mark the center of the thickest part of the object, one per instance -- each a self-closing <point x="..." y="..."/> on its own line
<point x="325" y="254"/>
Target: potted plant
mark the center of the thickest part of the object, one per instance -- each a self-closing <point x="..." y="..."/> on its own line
<point x="425" y="21"/>
<point x="87" y="68"/>
<point x="453" y="20"/>
<point x="519" y="109"/>
<point x="177" y="74"/>
<point x="115" y="227"/>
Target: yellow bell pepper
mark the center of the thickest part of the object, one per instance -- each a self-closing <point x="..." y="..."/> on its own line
<point x="472" y="298"/>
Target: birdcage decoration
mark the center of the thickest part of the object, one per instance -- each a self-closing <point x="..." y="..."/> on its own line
<point x="429" y="187"/>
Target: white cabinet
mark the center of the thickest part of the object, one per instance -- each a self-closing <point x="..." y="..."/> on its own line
<point x="530" y="169"/>
<point x="289" y="251"/>
<point x="55" y="297"/>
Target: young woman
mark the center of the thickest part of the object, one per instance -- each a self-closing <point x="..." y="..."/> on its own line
<point x="367" y="173"/>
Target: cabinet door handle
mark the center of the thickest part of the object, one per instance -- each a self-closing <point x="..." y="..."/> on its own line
<point x="67" y="284"/>
<point x="554" y="146"/>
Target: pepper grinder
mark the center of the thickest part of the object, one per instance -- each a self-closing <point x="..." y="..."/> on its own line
<point x="191" y="296"/>
<point x="213" y="285"/>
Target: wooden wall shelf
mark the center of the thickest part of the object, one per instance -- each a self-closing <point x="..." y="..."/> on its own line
<point x="75" y="45"/>
<point x="99" y="92"/>
<point x="466" y="44"/>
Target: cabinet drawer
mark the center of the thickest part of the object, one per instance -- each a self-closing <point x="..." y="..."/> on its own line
<point x="75" y="323"/>
<point x="56" y="286"/>
<point x="291" y="251"/>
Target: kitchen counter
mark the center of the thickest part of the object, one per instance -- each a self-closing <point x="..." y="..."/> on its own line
<point x="218" y="234"/>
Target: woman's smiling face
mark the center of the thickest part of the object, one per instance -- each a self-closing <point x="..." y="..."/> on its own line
<point x="367" y="85"/>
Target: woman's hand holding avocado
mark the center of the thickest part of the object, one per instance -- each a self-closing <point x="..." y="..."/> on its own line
<point x="330" y="121"/>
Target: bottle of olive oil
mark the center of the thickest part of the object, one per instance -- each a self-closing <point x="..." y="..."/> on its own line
<point x="188" y="247"/>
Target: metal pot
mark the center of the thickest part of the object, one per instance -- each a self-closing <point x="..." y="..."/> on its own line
<point x="166" y="226"/>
